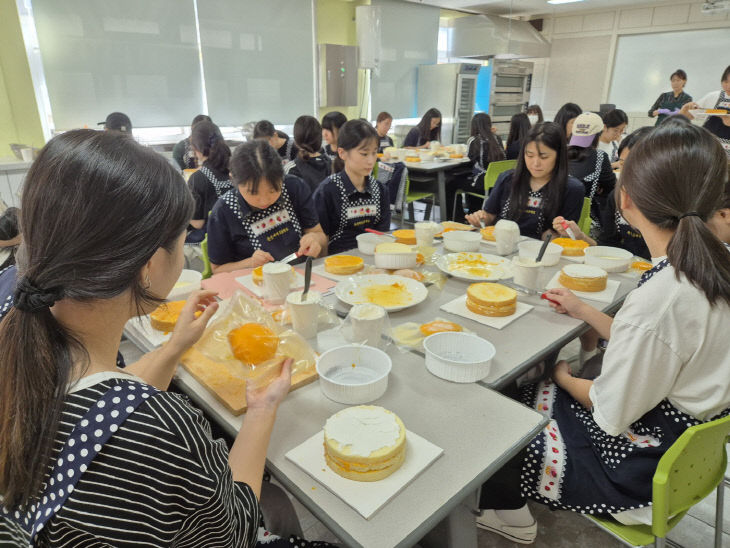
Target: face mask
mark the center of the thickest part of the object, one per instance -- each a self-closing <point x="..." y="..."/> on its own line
<point x="532" y="118"/>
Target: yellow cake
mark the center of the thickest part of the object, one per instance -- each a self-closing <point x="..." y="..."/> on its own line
<point x="405" y="236"/>
<point x="165" y="316"/>
<point x="364" y="443"/>
<point x="253" y="343"/>
<point x="343" y="264"/>
<point x="490" y="299"/>
<point x="583" y="277"/>
<point x="571" y="248"/>
<point x="257" y="275"/>
<point x="456" y="155"/>
<point x="641" y="266"/>
<point x="488" y="233"/>
<point x="439" y="326"/>
<point x="413" y="159"/>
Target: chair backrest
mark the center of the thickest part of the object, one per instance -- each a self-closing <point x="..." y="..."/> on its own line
<point x="207" y="269"/>
<point x="584" y="223"/>
<point x="375" y="169"/>
<point x="690" y="469"/>
<point x="493" y="171"/>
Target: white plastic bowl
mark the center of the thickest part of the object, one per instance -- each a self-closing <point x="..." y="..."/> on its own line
<point x="610" y="259"/>
<point x="462" y="240"/>
<point x="458" y="357"/>
<point x="426" y="156"/>
<point x="188" y="282"/>
<point x="367" y="241"/>
<point x="363" y="383"/>
<point x="530" y="249"/>
<point x="396" y="261"/>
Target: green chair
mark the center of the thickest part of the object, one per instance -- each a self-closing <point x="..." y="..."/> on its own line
<point x="415" y="196"/>
<point x="690" y="469"/>
<point x="584" y="223"/>
<point x="490" y="178"/>
<point x="207" y="270"/>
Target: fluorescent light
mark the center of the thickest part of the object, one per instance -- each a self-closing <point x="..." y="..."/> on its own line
<point x="562" y="1"/>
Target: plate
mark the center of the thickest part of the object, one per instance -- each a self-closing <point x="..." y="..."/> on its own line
<point x="500" y="270"/>
<point x="355" y="291"/>
<point x="703" y="112"/>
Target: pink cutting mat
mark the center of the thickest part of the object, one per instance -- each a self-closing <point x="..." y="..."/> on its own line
<point x="226" y="285"/>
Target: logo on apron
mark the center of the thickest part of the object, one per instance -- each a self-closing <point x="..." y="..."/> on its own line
<point x="534" y="201"/>
<point x="270" y="222"/>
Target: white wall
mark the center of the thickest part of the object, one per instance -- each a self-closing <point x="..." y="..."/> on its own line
<point x="580" y="66"/>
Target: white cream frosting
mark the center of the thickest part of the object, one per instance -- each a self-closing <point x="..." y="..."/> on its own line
<point x="364" y="428"/>
<point x="584" y="271"/>
<point x="276" y="268"/>
<point x="367" y="312"/>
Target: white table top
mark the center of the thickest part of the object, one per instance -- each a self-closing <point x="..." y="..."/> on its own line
<point x="429" y="167"/>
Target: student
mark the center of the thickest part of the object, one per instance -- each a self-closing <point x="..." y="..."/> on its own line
<point x="719" y="223"/>
<point x="615" y="231"/>
<point x="351" y="200"/>
<point x="182" y="152"/>
<point x="665" y="367"/>
<point x="671" y="100"/>
<point x="163" y="475"/>
<point x="266" y="217"/>
<point x="538" y="189"/>
<point x="566" y="116"/>
<point x="212" y="180"/>
<point x="714" y="98"/>
<point x="118" y="121"/>
<point x="589" y="165"/>
<point x="427" y="130"/>
<point x="331" y="124"/>
<point x="311" y="164"/>
<point x="382" y="126"/>
<point x="534" y="115"/>
<point x="9" y="237"/>
<point x="282" y="143"/>
<point x="614" y="124"/>
<point x="519" y="127"/>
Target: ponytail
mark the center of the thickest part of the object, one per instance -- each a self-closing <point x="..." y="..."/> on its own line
<point x="307" y="136"/>
<point x="676" y="176"/>
<point x="208" y="140"/>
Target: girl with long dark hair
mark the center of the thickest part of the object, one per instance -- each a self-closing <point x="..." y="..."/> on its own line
<point x="351" y="200"/>
<point x="331" y="124"/>
<point x="565" y="117"/>
<point x="427" y="130"/>
<point x="310" y="165"/>
<point x="538" y="189"/>
<point x="519" y="127"/>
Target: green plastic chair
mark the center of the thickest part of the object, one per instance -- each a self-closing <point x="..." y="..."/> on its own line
<point x="415" y="196"/>
<point x="494" y="169"/>
<point x="207" y="269"/>
<point x="689" y="471"/>
<point x="584" y="223"/>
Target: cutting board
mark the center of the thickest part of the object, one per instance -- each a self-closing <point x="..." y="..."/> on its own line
<point x="226" y="388"/>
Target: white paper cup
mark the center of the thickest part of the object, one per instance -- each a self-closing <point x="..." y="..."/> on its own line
<point x="425" y="231"/>
<point x="277" y="281"/>
<point x="304" y="315"/>
<point x="26" y="154"/>
<point x="507" y="236"/>
<point x="368" y="321"/>
<point x="527" y="273"/>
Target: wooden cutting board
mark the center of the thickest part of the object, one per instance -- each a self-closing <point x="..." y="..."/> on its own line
<point x="226" y="388"/>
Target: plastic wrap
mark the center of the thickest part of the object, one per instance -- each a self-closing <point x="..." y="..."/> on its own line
<point x="408" y="336"/>
<point x="367" y="324"/>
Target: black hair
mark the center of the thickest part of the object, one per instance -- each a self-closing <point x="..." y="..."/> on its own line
<point x="263" y="130"/>
<point x="95" y="209"/>
<point x="200" y="118"/>
<point x="550" y="135"/>
<point x="481" y="128"/>
<point x="615" y="117"/>
<point x="537" y="110"/>
<point x="255" y="161"/>
<point x="633" y="138"/>
<point x="383" y="116"/>
<point x="118" y="121"/>
<point x="676" y="170"/>
<point x="566" y="113"/>
<point x="353" y="135"/>
<point x="679" y="73"/>
<point x="424" y="126"/>
<point x="578" y="154"/>
<point x="725" y="74"/>
<point x="519" y="127"/>
<point x="332" y="122"/>
<point x="207" y="139"/>
<point x="307" y="136"/>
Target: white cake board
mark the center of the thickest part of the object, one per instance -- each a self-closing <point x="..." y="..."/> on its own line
<point x="458" y="307"/>
<point x="605" y="296"/>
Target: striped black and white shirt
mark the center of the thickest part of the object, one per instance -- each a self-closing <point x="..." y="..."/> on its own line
<point x="160" y="480"/>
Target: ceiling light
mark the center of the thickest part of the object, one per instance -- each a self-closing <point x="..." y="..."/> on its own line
<point x="562" y="1"/>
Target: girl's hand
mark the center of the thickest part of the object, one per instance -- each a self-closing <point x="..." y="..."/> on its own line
<point x="562" y="371"/>
<point x="684" y="111"/>
<point x="567" y="302"/>
<point x="655" y="113"/>
<point x="199" y="308"/>
<point x="268" y="398"/>
<point x="260" y="257"/>
<point x="475" y="218"/>
<point x="309" y="245"/>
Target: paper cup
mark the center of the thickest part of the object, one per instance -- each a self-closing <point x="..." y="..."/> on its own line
<point x="507" y="236"/>
<point x="368" y="321"/>
<point x="304" y="314"/>
<point x="527" y="273"/>
<point x="277" y="281"/>
<point x="425" y="231"/>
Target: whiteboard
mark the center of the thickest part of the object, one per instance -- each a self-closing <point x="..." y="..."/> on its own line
<point x="644" y="62"/>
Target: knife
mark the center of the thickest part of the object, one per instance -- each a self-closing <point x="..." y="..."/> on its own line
<point x="567" y="229"/>
<point x="307" y="278"/>
<point x="290" y="258"/>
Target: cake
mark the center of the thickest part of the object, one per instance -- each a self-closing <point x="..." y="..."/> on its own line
<point x="583" y="277"/>
<point x="405" y="236"/>
<point x="716" y="111"/>
<point x="392" y="248"/>
<point x="257" y="275"/>
<point x="253" y="343"/>
<point x="343" y="264"/>
<point x="439" y="326"/>
<point x="364" y="443"/>
<point x="641" y="266"/>
<point x="456" y="155"/>
<point x="488" y="233"/>
<point x="165" y="316"/>
<point x="571" y="248"/>
<point x="413" y="159"/>
<point x="490" y="299"/>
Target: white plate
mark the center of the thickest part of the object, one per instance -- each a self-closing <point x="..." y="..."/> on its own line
<point x="494" y="244"/>
<point x="351" y="291"/>
<point x="258" y="290"/>
<point x="605" y="296"/>
<point x="701" y="112"/>
<point x="501" y="271"/>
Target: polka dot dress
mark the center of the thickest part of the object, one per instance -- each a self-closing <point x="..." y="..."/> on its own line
<point x="355" y="210"/>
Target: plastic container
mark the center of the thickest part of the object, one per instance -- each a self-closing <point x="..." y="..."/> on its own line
<point x="188" y="282"/>
<point x="529" y="250"/>
<point x="396" y="261"/>
<point x="426" y="156"/>
<point x="610" y="259"/>
<point x="367" y="241"/>
<point x="354" y="374"/>
<point x="462" y="240"/>
<point x="458" y="357"/>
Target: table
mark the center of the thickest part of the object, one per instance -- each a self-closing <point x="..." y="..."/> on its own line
<point x="439" y="169"/>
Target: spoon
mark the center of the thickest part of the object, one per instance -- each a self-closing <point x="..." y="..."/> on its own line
<point x="307" y="278"/>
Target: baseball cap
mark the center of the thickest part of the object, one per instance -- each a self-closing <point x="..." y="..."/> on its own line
<point x="118" y="121"/>
<point x="585" y="128"/>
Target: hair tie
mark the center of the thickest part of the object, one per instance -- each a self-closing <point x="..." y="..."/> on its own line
<point x="688" y="214"/>
<point x="30" y="298"/>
